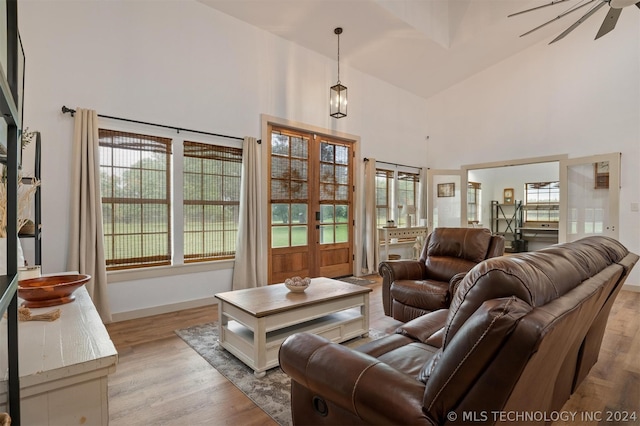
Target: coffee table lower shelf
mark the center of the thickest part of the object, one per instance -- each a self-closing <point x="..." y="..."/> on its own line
<point x="256" y="340"/>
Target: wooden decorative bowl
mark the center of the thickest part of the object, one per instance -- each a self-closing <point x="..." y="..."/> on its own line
<point x="297" y="284"/>
<point x="50" y="291"/>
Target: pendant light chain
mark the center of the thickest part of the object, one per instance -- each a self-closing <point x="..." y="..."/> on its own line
<point x="338" y="92"/>
<point x="338" y="31"/>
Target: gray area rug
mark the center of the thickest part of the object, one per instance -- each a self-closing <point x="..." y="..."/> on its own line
<point x="272" y="392"/>
<point x="357" y="280"/>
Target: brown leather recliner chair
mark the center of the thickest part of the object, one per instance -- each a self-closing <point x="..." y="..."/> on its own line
<point x="411" y="288"/>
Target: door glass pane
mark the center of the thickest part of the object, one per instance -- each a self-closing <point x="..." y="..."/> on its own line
<point x="327" y="192"/>
<point x="326" y="214"/>
<point x="299" y="236"/>
<point x="279" y="167"/>
<point x="342" y="174"/>
<point x="342" y="193"/>
<point x="280" y="190"/>
<point x="299" y="147"/>
<point x="342" y="155"/>
<point x="279" y="144"/>
<point x="326" y="234"/>
<point x="299" y="213"/>
<point x="327" y="173"/>
<point x="342" y="233"/>
<point x="342" y="213"/>
<point x="280" y="214"/>
<point x="327" y="152"/>
<point x="299" y="170"/>
<point x="280" y="236"/>
<point x="588" y="204"/>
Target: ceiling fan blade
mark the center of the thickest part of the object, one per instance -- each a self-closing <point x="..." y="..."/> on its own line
<point x="537" y="7"/>
<point x="593" y="10"/>
<point x="609" y="22"/>
<point x="562" y="15"/>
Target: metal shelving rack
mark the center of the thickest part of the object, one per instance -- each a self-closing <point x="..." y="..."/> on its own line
<point x="10" y="99"/>
<point x="37" y="220"/>
<point x="506" y="220"/>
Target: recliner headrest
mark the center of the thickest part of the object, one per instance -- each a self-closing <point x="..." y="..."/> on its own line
<point x="466" y="243"/>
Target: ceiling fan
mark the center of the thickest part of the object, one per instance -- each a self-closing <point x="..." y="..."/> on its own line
<point x="609" y="23"/>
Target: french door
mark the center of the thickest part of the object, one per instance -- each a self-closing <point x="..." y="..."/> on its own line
<point x="589" y="196"/>
<point x="310" y="205"/>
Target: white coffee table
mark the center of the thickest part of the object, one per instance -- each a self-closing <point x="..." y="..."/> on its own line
<point x="254" y="322"/>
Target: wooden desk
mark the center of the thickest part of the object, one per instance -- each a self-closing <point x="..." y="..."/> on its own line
<point x="63" y="366"/>
<point x="385" y="235"/>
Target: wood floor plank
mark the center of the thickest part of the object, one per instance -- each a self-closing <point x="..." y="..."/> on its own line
<point x="161" y="380"/>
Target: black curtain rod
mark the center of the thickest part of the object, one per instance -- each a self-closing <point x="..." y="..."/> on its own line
<point x="394" y="164"/>
<point x="178" y="129"/>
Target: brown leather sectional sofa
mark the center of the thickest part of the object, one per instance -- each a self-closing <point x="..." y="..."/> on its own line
<point x="411" y="288"/>
<point x="520" y="335"/>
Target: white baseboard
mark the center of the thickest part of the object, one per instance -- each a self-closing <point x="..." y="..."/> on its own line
<point x="164" y="309"/>
<point x="631" y="287"/>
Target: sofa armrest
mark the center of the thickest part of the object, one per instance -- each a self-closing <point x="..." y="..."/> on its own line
<point x="454" y="282"/>
<point x="398" y="270"/>
<point x="356" y="382"/>
<point x="425" y="326"/>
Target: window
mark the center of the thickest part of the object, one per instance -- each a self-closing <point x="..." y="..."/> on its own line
<point x="395" y="189"/>
<point x="407" y="193"/>
<point x="384" y="182"/>
<point x="211" y="200"/>
<point x="135" y="177"/>
<point x="542" y="201"/>
<point x="138" y="204"/>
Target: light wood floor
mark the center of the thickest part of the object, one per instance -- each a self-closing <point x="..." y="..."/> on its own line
<point x="161" y="380"/>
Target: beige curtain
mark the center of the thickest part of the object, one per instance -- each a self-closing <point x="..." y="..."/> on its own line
<point x="370" y="261"/>
<point x="86" y="248"/>
<point x="250" y="269"/>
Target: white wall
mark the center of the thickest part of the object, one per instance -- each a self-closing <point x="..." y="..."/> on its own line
<point x="181" y="63"/>
<point x="577" y="97"/>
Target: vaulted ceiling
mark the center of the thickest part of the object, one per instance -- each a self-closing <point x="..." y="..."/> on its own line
<point x="422" y="46"/>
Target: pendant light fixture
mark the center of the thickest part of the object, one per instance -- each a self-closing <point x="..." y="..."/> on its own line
<point x="338" y="93"/>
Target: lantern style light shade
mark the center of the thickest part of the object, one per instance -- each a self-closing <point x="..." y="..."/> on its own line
<point x="338" y="99"/>
<point x="338" y="93"/>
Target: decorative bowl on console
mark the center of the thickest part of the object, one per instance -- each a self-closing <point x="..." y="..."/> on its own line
<point x="297" y="284"/>
<point x="50" y="290"/>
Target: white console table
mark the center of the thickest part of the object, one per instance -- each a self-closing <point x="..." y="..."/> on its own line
<point x="63" y="366"/>
<point x="385" y="235"/>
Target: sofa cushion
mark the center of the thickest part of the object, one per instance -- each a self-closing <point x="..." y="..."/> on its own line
<point x="426" y="294"/>
<point x="448" y="373"/>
